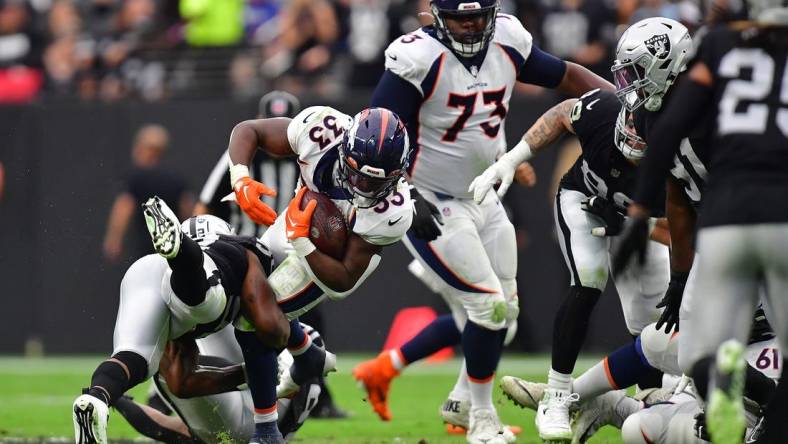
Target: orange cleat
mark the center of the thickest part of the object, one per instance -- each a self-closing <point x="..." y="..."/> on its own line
<point x="376" y="375"/>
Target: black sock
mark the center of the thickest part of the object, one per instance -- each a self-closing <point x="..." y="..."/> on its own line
<point x="308" y="364"/>
<point x="261" y="371"/>
<point x="570" y="326"/>
<point x="188" y="279"/>
<point x="701" y="376"/>
<point x="110" y="381"/>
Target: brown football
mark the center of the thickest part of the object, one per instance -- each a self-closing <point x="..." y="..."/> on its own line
<point x="329" y="230"/>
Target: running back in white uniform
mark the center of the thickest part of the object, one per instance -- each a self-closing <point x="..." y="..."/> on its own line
<point x="314" y="135"/>
<point x="461" y="120"/>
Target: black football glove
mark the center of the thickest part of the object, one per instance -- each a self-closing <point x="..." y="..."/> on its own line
<point x="633" y="241"/>
<point x="671" y="302"/>
<point x="426" y="218"/>
<point x="605" y="210"/>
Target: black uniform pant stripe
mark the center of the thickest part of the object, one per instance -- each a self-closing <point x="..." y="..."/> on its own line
<point x="565" y="240"/>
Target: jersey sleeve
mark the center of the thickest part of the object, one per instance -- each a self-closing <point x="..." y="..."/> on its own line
<point x="594" y="109"/>
<point x="387" y="223"/>
<point x="411" y="56"/>
<point x="303" y="122"/>
<point x="514" y="38"/>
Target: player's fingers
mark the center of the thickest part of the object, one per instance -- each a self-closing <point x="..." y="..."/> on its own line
<point x="310" y="208"/>
<point x="504" y="187"/>
<point x="265" y="190"/>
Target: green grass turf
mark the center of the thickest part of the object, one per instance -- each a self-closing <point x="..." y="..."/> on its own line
<point x="36" y="396"/>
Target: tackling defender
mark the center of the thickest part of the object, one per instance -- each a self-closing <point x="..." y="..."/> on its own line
<point x="451" y="84"/>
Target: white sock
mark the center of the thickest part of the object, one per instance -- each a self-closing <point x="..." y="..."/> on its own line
<point x="266" y="415"/>
<point x="559" y="381"/>
<point x="594" y="382"/>
<point x="397" y="360"/>
<point x="481" y="392"/>
<point x="461" y="388"/>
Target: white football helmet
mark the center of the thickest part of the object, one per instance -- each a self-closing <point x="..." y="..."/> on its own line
<point x="205" y="228"/>
<point x="649" y="56"/>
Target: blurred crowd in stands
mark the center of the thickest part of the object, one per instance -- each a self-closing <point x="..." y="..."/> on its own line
<point x="153" y="50"/>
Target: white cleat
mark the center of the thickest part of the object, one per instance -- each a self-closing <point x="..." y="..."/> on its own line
<point x="552" y="415"/>
<point x="597" y="413"/>
<point x="485" y="427"/>
<point x="456" y="411"/>
<point x="163" y="226"/>
<point x="523" y="393"/>
<point x="90" y="416"/>
<point x="287" y="387"/>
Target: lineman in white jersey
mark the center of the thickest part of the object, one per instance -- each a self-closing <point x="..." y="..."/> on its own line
<point x="451" y="84"/>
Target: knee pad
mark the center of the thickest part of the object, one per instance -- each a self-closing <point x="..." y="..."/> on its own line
<point x="636" y="428"/>
<point x="487" y="310"/>
<point x="137" y="365"/>
<point x="427" y="276"/>
<point x="660" y="349"/>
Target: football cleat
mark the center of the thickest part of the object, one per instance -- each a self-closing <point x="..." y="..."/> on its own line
<point x="455" y="412"/>
<point x="90" y="416"/>
<point x="523" y="393"/>
<point x="163" y="226"/>
<point x="293" y="412"/>
<point x="287" y="387"/>
<point x="597" y="413"/>
<point x="485" y="427"/>
<point x="725" y="417"/>
<point x="552" y="415"/>
<point x="375" y="376"/>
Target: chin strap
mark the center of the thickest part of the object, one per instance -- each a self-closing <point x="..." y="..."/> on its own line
<point x="654" y="103"/>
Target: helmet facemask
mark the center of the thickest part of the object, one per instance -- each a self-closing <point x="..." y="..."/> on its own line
<point x="633" y="85"/>
<point x="465" y="44"/>
<point x="631" y="145"/>
<point x="367" y="185"/>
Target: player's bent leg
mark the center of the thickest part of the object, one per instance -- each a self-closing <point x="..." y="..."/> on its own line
<point x="152" y="423"/>
<point x="261" y="366"/>
<point x="163" y="226"/>
<point x="310" y="360"/>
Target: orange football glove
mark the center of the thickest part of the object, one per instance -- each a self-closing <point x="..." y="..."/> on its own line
<point x="297" y="221"/>
<point x="247" y="195"/>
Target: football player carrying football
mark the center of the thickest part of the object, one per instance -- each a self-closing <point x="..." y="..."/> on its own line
<point x="451" y="84"/>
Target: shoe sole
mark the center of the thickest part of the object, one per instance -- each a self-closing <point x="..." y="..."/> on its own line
<point x="506" y="381"/>
<point x="161" y="227"/>
<point x="83" y="416"/>
<point x="725" y="411"/>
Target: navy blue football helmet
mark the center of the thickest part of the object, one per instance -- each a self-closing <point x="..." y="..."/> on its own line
<point x="469" y="43"/>
<point x="373" y="155"/>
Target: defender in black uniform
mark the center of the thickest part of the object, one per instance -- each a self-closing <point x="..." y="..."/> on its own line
<point x="194" y="287"/>
<point x="590" y="203"/>
<point x="739" y="77"/>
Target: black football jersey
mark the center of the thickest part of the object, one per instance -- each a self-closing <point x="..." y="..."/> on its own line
<point x="601" y="169"/>
<point x="748" y="164"/>
<point x="229" y="255"/>
<point x="690" y="165"/>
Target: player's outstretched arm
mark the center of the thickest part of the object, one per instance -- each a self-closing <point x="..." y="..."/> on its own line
<point x="258" y="305"/>
<point x="681" y="223"/>
<point x="547" y="129"/>
<point x="187" y="379"/>
<point x="579" y="80"/>
<point x="270" y="135"/>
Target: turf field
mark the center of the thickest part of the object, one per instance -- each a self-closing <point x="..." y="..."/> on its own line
<point x="36" y="396"/>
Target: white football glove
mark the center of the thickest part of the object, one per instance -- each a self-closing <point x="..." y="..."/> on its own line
<point x="502" y="170"/>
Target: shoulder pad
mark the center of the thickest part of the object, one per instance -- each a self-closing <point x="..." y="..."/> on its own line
<point x="387" y="223"/>
<point x="411" y="56"/>
<point x="297" y="130"/>
<point x="510" y="32"/>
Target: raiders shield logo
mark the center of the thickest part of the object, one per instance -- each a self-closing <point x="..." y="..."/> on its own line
<point x="659" y="46"/>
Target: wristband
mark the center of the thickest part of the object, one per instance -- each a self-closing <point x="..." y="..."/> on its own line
<point x="237" y="172"/>
<point x="303" y="246"/>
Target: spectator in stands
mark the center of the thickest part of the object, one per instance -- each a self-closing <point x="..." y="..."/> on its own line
<point x="146" y="179"/>
<point x="581" y="31"/>
<point x="305" y="48"/>
<point x="213" y="23"/>
<point x="20" y="58"/>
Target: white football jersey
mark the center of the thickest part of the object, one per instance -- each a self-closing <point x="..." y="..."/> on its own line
<point x="461" y="121"/>
<point x="314" y="135"/>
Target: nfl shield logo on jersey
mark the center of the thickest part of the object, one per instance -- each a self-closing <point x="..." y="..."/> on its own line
<point x="659" y="46"/>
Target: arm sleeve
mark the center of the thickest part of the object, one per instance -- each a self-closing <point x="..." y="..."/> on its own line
<point x="676" y="121"/>
<point x="398" y="95"/>
<point x="542" y="69"/>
